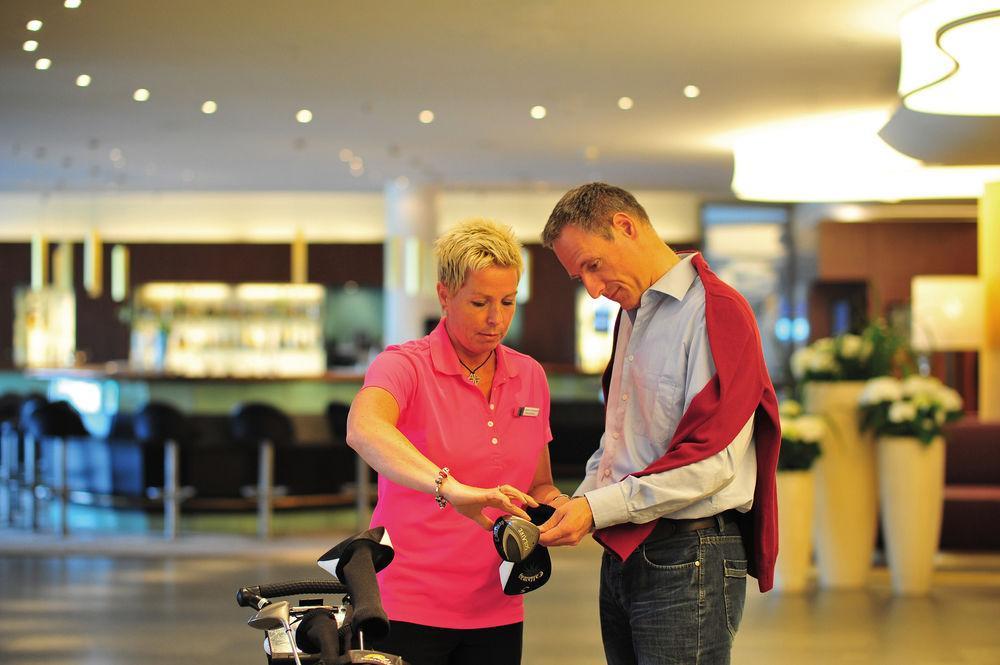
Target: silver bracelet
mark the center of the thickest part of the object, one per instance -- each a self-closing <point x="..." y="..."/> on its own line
<point x="442" y="474"/>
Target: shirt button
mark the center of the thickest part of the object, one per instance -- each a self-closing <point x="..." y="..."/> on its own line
<point x="492" y="407"/>
<point x="625" y="398"/>
<point x="630" y="357"/>
<point x="489" y="423"/>
<point x="614" y="435"/>
<point x="494" y="441"/>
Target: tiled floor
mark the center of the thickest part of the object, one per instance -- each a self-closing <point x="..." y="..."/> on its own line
<point x="157" y="603"/>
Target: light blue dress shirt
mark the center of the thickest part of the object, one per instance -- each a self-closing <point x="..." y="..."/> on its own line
<point x="662" y="361"/>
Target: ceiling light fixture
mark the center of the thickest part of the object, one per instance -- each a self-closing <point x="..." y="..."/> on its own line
<point x="83" y="80"/>
<point x="141" y="95"/>
<point x="426" y="116"/>
<point x="840" y="157"/>
<point x="625" y="103"/>
<point x="304" y="116"/>
<point x="209" y="107"/>
<point x="43" y="63"/>
<point x="34" y="25"/>
<point x="692" y="91"/>
<point x="949" y="50"/>
<point x="346" y="155"/>
<point x="538" y="112"/>
<point x="71" y="4"/>
<point x="30" y="45"/>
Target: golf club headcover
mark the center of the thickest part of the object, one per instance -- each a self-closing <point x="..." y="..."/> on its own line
<point x="317" y="632"/>
<point x="534" y="570"/>
<point x="355" y="562"/>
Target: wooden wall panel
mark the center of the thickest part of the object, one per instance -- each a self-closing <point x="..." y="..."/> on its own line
<point x="888" y="254"/>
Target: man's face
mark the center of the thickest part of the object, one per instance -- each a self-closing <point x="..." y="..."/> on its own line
<point x="609" y="268"/>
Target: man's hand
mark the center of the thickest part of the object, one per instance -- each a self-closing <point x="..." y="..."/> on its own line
<point x="569" y="524"/>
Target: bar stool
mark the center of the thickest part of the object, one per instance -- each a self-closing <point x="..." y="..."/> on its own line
<point x="26" y="479"/>
<point x="56" y="422"/>
<point x="268" y="427"/>
<point x="336" y="419"/>
<point x="10" y="407"/>
<point x="159" y="423"/>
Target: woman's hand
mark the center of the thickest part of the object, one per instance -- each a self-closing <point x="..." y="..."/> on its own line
<point x="470" y="501"/>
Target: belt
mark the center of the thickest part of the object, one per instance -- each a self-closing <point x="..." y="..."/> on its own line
<point x="666" y="527"/>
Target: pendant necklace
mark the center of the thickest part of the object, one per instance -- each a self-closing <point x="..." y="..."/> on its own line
<point x="472" y="372"/>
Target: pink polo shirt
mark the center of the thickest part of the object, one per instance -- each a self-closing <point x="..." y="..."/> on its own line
<point x="444" y="573"/>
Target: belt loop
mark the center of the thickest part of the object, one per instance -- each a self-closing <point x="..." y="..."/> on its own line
<point x="721" y="522"/>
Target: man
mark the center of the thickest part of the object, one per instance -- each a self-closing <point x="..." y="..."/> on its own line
<point x="681" y="491"/>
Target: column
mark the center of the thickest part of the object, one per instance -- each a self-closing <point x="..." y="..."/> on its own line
<point x="989" y="273"/>
<point x="409" y="276"/>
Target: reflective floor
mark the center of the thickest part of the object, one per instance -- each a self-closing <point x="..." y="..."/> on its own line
<point x="158" y="603"/>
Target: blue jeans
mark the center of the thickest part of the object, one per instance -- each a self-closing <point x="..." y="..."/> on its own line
<point x="676" y="600"/>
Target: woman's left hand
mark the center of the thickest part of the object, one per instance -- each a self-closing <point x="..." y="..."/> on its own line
<point x="470" y="501"/>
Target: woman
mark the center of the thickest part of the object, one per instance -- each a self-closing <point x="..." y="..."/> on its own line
<point x="441" y="420"/>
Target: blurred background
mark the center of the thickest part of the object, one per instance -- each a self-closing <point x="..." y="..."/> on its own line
<point x="208" y="205"/>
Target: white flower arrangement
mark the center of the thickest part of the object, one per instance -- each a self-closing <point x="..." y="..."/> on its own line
<point x="849" y="357"/>
<point x="916" y="406"/>
<point x="801" y="436"/>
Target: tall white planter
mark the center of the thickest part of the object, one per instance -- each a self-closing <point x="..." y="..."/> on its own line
<point x="846" y="491"/>
<point x="911" y="487"/>
<point x="796" y="505"/>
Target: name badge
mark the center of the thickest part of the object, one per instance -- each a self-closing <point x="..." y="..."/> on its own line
<point x="528" y="411"/>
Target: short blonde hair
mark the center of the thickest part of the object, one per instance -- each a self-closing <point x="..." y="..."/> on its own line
<point x="475" y="244"/>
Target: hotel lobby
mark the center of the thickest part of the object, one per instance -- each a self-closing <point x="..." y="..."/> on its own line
<point x="212" y="207"/>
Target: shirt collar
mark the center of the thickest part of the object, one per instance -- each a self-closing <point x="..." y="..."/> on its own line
<point x="445" y="359"/>
<point x="676" y="281"/>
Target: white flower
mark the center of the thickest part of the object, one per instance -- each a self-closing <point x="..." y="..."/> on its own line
<point x="800" y="362"/>
<point x="811" y="428"/>
<point x="902" y="412"/>
<point x="790" y="408"/>
<point x="949" y="400"/>
<point x="881" y="389"/>
<point x="790" y="429"/>
<point x="850" y="346"/>
<point x="917" y="385"/>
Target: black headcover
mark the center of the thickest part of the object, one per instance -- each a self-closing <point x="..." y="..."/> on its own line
<point x="355" y="562"/>
<point x="535" y="570"/>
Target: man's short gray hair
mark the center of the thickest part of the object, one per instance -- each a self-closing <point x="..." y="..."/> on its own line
<point x="591" y="207"/>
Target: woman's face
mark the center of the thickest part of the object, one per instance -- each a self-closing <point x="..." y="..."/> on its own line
<point x="479" y="313"/>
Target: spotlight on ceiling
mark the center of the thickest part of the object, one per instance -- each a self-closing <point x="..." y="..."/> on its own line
<point x="83" y="80"/>
<point x="71" y="4"/>
<point x="43" y="63"/>
<point x="691" y="91"/>
<point x="538" y="112"/>
<point x="34" y="25"/>
<point x="304" y="116"/>
<point x="949" y="51"/>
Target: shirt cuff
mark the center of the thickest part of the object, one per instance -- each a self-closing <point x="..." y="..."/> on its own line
<point x="608" y="505"/>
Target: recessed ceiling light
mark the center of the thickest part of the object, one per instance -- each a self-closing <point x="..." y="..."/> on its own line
<point x="83" y="80"/>
<point x="625" y="103"/>
<point x="357" y="163"/>
<point x="304" y="116"/>
<point x="691" y="91"/>
<point x="209" y="107"/>
<point x="71" y="4"/>
<point x="426" y="116"/>
<point x="43" y="63"/>
<point x="30" y="45"/>
<point x="346" y="155"/>
<point x="115" y="154"/>
<point x="34" y="25"/>
<point x="140" y="95"/>
<point x="538" y="112"/>
<point x="357" y="172"/>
